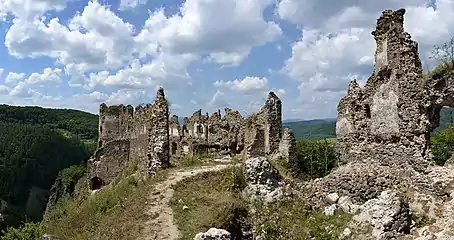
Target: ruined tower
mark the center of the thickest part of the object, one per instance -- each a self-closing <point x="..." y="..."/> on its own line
<point x="387" y="120"/>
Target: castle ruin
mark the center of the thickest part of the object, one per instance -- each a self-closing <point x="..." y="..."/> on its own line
<point x="390" y="119"/>
<point x="148" y="135"/>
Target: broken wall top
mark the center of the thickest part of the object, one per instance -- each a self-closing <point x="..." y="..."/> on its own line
<point x="391" y="111"/>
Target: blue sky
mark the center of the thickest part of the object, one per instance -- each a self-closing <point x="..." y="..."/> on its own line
<point x="207" y="54"/>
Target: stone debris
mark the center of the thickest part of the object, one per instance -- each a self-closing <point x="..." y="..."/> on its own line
<point x="387" y="214"/>
<point x="48" y="237"/>
<point x="263" y="180"/>
<point x="330" y="210"/>
<point x="213" y="234"/>
<point x="332" y="198"/>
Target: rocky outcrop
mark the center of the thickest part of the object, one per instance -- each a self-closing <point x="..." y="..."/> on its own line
<point x="58" y="192"/>
<point x="388" y="216"/>
<point x="213" y="234"/>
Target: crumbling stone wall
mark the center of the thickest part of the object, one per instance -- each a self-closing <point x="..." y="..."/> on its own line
<point x="114" y="122"/>
<point x="149" y="136"/>
<point x="127" y="135"/>
<point x="388" y="119"/>
<point x="204" y="134"/>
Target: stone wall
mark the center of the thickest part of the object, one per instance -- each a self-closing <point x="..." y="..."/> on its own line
<point x="388" y="119"/>
<point x="148" y="135"/>
<point x="127" y="134"/>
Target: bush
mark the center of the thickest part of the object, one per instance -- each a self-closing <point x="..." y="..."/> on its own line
<point x="315" y="159"/>
<point x="238" y="179"/>
<point x="72" y="174"/>
<point x="442" y="144"/>
<point x="29" y="231"/>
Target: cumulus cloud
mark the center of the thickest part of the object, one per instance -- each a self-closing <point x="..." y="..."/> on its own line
<point x="49" y="75"/>
<point x="28" y="9"/>
<point x="226" y="36"/>
<point x="13" y="77"/>
<point x="247" y="85"/>
<point x="105" y="41"/>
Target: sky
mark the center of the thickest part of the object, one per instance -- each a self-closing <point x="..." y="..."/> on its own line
<point x="207" y="54"/>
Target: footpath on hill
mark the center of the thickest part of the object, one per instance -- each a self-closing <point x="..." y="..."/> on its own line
<point x="161" y="226"/>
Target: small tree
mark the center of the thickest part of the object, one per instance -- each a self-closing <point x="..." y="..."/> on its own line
<point x="444" y="53"/>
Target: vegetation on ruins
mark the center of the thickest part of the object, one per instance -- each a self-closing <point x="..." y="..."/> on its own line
<point x="315" y="159"/>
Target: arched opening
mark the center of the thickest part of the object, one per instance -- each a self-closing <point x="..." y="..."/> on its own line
<point x="96" y="183"/>
<point x="174" y="148"/>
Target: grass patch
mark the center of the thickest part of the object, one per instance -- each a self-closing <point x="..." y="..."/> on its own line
<point x="211" y="202"/>
<point x="114" y="212"/>
<point x="289" y="219"/>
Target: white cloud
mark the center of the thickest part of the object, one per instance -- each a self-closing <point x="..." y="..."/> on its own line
<point x="4" y="89"/>
<point x="248" y="85"/>
<point x="28" y="9"/>
<point x="13" y="77"/>
<point x="130" y="4"/>
<point x="49" y="75"/>
<point x="200" y="28"/>
<point x="94" y="39"/>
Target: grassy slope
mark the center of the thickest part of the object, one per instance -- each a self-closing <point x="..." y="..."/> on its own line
<point x="210" y="204"/>
<point x="112" y="213"/>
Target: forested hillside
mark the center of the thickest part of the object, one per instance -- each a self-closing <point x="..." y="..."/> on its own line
<point x="326" y="128"/>
<point x="35" y="144"/>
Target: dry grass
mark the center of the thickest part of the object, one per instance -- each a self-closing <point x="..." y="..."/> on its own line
<point x="210" y="203"/>
<point x="111" y="213"/>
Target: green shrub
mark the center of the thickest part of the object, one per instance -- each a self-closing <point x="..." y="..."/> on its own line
<point x="72" y="174"/>
<point x="238" y="179"/>
<point x="29" y="231"/>
<point x="315" y="159"/>
<point x="442" y="144"/>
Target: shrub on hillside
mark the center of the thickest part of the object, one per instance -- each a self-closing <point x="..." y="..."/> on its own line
<point x="442" y="144"/>
<point x="29" y="231"/>
<point x="315" y="159"/>
<point x="72" y="174"/>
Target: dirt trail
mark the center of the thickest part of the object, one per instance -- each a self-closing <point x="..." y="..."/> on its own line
<point x="160" y="226"/>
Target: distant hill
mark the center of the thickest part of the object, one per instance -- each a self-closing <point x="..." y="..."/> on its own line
<point x="313" y="129"/>
<point x="82" y="124"/>
<point x="326" y="128"/>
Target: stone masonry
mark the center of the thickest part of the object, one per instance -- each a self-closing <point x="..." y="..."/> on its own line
<point x="128" y="135"/>
<point x="148" y="135"/>
<point x="389" y="119"/>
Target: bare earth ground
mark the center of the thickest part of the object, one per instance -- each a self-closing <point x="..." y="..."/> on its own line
<point x="160" y="226"/>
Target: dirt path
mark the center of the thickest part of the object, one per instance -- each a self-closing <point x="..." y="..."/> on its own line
<point x="160" y="226"/>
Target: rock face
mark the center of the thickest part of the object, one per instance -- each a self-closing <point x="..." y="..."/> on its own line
<point x="213" y="234"/>
<point x="388" y="216"/>
<point x="58" y="192"/>
<point x="389" y="120"/>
